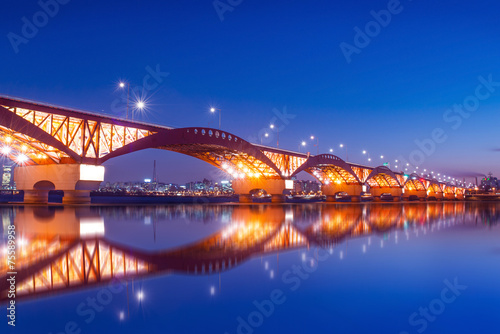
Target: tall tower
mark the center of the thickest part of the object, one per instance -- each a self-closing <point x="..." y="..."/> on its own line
<point x="154" y="171"/>
<point x="155" y="182"/>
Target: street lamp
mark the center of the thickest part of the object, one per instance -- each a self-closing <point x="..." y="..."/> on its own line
<point x="122" y="85"/>
<point x="139" y="105"/>
<point x="317" y="143"/>
<point x="346" y="156"/>
<point x="368" y="154"/>
<point x="265" y="135"/>
<point x="303" y="143"/>
<point x="212" y="110"/>
<point x="278" y="133"/>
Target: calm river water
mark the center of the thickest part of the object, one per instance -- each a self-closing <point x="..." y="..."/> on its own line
<point x="312" y="268"/>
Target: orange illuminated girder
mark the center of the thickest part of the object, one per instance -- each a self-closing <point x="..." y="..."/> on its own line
<point x="333" y="174"/>
<point x="382" y="180"/>
<point x="362" y="173"/>
<point x="87" y="262"/>
<point x="231" y="161"/>
<point x="86" y="138"/>
<point x="287" y="164"/>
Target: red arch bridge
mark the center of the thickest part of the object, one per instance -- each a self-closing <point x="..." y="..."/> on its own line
<point x="64" y="149"/>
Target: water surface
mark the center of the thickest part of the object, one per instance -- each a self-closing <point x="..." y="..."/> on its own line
<point x="314" y="268"/>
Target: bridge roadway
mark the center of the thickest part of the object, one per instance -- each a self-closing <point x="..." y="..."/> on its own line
<point x="64" y="148"/>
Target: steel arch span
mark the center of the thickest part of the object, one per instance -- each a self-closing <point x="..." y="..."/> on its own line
<point x="41" y="134"/>
<point x="383" y="177"/>
<point x="414" y="183"/>
<point x="45" y="134"/>
<point x="219" y="148"/>
<point x="329" y="168"/>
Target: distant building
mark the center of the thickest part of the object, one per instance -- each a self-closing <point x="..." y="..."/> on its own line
<point x="489" y="183"/>
<point x="7" y="177"/>
<point x="306" y="186"/>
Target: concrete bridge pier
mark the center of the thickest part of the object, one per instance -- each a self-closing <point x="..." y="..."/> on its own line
<point x="354" y="190"/>
<point x="274" y="187"/>
<point x="395" y="192"/>
<point x="421" y="194"/>
<point x="74" y="179"/>
<point x="449" y="196"/>
<point x="439" y="195"/>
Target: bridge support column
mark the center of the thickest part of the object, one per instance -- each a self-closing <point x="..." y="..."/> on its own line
<point x="245" y="198"/>
<point x="36" y="196"/>
<point x="439" y="196"/>
<point x="354" y="190"/>
<point x="421" y="194"/>
<point x="395" y="192"/>
<point x="277" y="198"/>
<point x="75" y="180"/>
<point x="449" y="196"/>
<point x="274" y="187"/>
<point x="76" y="197"/>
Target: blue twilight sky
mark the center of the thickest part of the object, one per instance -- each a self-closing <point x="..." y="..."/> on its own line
<point x="272" y="55"/>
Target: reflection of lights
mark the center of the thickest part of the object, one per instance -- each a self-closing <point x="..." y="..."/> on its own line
<point x="341" y="255"/>
<point x="381" y="243"/>
<point x="122" y="315"/>
<point x="140" y="295"/>
<point x="303" y="256"/>
<point x="271" y="274"/>
<point x="364" y="248"/>
<point x="266" y="265"/>
<point x="212" y="290"/>
<point x="91" y="226"/>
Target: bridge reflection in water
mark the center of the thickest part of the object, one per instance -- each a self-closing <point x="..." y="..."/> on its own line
<point x="62" y="249"/>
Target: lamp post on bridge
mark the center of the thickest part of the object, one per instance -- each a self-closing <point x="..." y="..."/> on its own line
<point x="122" y="85"/>
<point x="140" y="104"/>
<point x="212" y="110"/>
<point x="346" y="156"/>
<point x="368" y="154"/>
<point x="265" y="135"/>
<point x="303" y="143"/>
<point x="278" y="132"/>
<point x="317" y="143"/>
